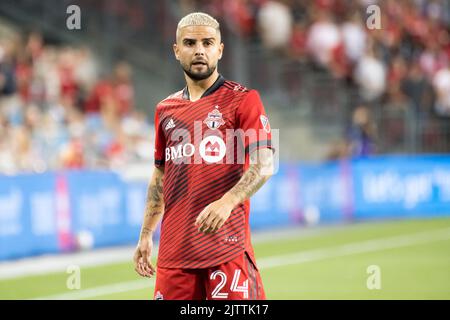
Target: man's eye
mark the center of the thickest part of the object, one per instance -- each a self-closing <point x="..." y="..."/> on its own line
<point x="207" y="43"/>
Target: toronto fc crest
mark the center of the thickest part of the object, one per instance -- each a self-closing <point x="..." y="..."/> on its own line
<point x="214" y="119"/>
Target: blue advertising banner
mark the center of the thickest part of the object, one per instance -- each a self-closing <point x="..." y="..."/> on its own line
<point x="57" y="212"/>
<point x="398" y="187"/>
<point x="324" y="192"/>
<point x="275" y="204"/>
<point x="28" y="223"/>
<point x="105" y="207"/>
<point x="97" y="207"/>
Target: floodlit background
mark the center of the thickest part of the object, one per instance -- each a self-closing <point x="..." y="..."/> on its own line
<point x="360" y="93"/>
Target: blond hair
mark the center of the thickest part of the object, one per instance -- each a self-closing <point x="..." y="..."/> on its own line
<point x="198" y="19"/>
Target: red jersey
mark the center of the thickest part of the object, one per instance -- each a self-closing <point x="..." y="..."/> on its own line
<point x="205" y="155"/>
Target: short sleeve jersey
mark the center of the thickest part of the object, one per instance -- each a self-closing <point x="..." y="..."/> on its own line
<point x="204" y="147"/>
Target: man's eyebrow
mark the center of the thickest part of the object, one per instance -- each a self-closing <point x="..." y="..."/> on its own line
<point x="204" y="39"/>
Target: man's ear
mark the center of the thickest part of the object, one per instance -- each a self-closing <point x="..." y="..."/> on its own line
<point x="221" y="50"/>
<point x="176" y="51"/>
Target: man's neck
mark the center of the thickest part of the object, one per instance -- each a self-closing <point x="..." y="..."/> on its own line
<point x="197" y="88"/>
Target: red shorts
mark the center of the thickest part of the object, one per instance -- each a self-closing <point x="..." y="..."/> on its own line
<point x="237" y="279"/>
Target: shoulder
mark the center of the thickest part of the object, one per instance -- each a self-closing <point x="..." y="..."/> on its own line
<point x="237" y="88"/>
<point x="241" y="91"/>
<point x="247" y="96"/>
<point x="173" y="99"/>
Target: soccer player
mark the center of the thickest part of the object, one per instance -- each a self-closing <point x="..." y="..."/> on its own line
<point x="213" y="151"/>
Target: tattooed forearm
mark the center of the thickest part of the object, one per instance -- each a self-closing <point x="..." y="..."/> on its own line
<point x="145" y="232"/>
<point x="155" y="191"/>
<point x="250" y="182"/>
<point x="154" y="208"/>
<point x="155" y="201"/>
<point x="259" y="171"/>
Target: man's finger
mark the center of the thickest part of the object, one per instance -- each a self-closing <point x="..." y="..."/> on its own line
<point x="204" y="227"/>
<point x="148" y="264"/>
<point x="220" y="225"/>
<point x="202" y="216"/>
<point x="216" y="225"/>
<point x="207" y="223"/>
<point x="137" y="263"/>
<point x="137" y="270"/>
<point x="210" y="224"/>
<point x="140" y="271"/>
<point x="144" y="262"/>
<point x="147" y="270"/>
<point x="141" y="266"/>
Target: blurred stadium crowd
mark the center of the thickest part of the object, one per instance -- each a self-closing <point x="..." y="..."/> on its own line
<point x="403" y="66"/>
<point x="409" y="52"/>
<point x="58" y="110"/>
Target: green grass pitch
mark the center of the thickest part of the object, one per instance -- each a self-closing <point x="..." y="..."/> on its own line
<point x="412" y="258"/>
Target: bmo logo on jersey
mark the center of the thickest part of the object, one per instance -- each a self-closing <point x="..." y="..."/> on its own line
<point x="180" y="151"/>
<point x="227" y="146"/>
<point x="212" y="149"/>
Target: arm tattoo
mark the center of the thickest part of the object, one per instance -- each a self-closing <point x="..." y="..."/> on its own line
<point x="145" y="231"/>
<point x="258" y="173"/>
<point x="154" y="207"/>
<point x="154" y="198"/>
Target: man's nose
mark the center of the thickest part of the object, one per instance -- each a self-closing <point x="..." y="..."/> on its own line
<point x="199" y="49"/>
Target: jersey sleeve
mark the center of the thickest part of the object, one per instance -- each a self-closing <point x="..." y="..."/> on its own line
<point x="254" y="122"/>
<point x="160" y="142"/>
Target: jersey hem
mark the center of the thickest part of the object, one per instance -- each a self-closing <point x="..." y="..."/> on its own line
<point x="182" y="265"/>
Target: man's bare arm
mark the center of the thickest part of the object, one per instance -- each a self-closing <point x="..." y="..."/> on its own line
<point x="154" y="210"/>
<point x="260" y="170"/>
<point x="154" y="207"/>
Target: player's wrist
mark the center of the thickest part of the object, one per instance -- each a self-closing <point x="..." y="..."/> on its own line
<point x="147" y="232"/>
<point x="230" y="198"/>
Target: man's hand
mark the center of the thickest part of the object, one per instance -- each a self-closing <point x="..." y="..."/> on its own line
<point x="142" y="255"/>
<point x="214" y="216"/>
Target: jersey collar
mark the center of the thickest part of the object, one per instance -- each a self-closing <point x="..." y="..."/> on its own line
<point x="216" y="85"/>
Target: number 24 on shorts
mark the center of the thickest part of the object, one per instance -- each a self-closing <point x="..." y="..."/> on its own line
<point x="216" y="294"/>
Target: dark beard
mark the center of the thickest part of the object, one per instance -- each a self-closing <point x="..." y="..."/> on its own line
<point x="199" y="76"/>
